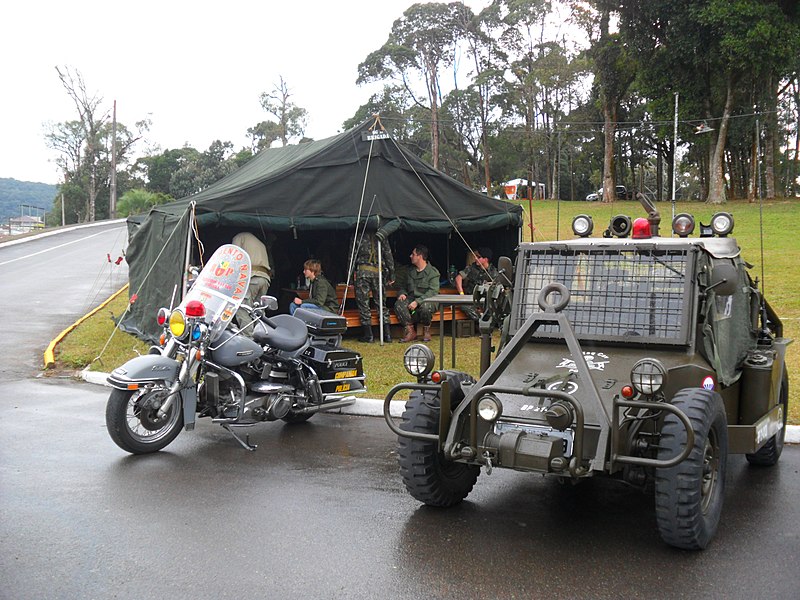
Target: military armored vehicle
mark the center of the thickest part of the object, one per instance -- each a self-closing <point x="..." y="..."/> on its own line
<point x="642" y="358"/>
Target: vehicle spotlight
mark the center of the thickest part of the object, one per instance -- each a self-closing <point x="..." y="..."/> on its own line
<point x="582" y="225"/>
<point x="489" y="408"/>
<point x="648" y="376"/>
<point x="722" y="223"/>
<point x="683" y="225"/>
<point x="620" y="226"/>
<point x="418" y="360"/>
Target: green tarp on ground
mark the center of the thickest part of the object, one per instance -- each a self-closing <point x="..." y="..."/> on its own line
<point x="307" y="199"/>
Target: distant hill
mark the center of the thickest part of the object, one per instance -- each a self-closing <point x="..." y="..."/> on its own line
<point x="15" y="193"/>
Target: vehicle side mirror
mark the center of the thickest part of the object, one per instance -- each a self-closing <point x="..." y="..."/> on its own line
<point x="269" y="302"/>
<point x="506" y="268"/>
<point x="724" y="279"/>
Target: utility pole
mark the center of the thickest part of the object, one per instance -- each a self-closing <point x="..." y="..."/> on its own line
<point x="112" y="201"/>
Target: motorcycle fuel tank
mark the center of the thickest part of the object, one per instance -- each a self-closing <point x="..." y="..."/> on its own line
<point x="234" y="350"/>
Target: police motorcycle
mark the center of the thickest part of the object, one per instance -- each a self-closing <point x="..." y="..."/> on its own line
<point x="292" y="368"/>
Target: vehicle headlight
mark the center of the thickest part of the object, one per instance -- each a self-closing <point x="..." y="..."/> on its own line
<point x="582" y="225"/>
<point x="648" y="376"/>
<point x="177" y="324"/>
<point x="418" y="360"/>
<point x="722" y="223"/>
<point x="683" y="224"/>
<point x="489" y="408"/>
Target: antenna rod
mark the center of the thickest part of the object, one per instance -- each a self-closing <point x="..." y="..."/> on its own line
<point x="760" y="206"/>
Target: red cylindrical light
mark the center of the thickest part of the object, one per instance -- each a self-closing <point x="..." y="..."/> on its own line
<point x="641" y="228"/>
<point x="436" y="377"/>
<point x="195" y="308"/>
<point x="627" y="391"/>
<point x="162" y="316"/>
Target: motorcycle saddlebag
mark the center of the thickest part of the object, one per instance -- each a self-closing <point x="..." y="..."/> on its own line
<point x="321" y="323"/>
<point x="340" y="371"/>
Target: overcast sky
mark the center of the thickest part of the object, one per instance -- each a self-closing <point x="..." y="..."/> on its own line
<point x="196" y="69"/>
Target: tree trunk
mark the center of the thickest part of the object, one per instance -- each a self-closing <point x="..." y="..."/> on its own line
<point x="716" y="188"/>
<point x="609" y="123"/>
<point x="770" y="139"/>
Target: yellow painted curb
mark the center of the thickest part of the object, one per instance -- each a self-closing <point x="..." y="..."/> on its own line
<point x="49" y="353"/>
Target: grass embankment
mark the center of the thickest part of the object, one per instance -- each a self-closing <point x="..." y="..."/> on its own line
<point x="383" y="365"/>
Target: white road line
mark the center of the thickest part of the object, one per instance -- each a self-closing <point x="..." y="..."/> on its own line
<point x="53" y="248"/>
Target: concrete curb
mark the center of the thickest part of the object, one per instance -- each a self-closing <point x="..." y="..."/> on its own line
<point x="370" y="407"/>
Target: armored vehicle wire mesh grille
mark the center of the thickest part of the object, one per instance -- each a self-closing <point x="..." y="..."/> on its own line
<point x="627" y="294"/>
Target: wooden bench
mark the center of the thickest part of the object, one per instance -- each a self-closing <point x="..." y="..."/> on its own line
<point x="353" y="320"/>
<point x="351" y="314"/>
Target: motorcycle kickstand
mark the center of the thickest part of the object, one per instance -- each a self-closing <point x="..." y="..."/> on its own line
<point x="244" y="443"/>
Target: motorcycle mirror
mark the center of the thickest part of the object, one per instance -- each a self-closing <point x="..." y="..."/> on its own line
<point x="269" y="302"/>
<point x="506" y="268"/>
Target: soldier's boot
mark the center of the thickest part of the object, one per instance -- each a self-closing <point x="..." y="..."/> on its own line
<point x="411" y="333"/>
<point x="426" y="333"/>
<point x="366" y="334"/>
<point x="387" y="334"/>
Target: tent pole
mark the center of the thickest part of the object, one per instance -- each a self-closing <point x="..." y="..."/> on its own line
<point x="380" y="291"/>
<point x="187" y="260"/>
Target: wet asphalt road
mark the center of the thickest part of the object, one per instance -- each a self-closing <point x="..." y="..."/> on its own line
<point x="318" y="511"/>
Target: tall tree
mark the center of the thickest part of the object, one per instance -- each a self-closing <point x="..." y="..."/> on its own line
<point x="291" y="119"/>
<point x="713" y="50"/>
<point x="421" y="41"/>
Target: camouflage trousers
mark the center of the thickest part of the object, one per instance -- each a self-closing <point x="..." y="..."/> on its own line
<point x="422" y="314"/>
<point x="365" y="283"/>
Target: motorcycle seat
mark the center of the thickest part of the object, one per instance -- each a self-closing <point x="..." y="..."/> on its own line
<point x="289" y="334"/>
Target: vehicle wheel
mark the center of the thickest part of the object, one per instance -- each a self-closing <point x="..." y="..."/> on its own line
<point x="294" y="418"/>
<point x="427" y="475"/>
<point x="770" y="452"/>
<point x="133" y="423"/>
<point x="689" y="496"/>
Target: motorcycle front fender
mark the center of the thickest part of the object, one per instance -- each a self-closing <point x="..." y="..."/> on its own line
<point x="144" y="369"/>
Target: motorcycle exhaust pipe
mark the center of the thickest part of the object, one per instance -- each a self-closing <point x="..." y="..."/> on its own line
<point x="348" y="401"/>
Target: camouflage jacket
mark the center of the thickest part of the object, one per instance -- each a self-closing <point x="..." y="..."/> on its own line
<point x="367" y="256"/>
<point x="474" y="275"/>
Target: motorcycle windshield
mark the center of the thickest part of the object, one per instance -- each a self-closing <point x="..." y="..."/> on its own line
<point x="221" y="286"/>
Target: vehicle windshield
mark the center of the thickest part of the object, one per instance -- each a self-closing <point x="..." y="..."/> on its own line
<point x="630" y="294"/>
<point x="221" y="286"/>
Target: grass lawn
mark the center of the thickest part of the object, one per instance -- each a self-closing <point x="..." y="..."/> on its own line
<point x="383" y="365"/>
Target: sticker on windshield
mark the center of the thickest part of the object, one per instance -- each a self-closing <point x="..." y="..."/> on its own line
<point x="596" y="361"/>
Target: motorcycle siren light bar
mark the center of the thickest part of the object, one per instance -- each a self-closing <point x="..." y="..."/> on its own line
<point x="641" y="229"/>
<point x="683" y="225"/>
<point x="195" y="308"/>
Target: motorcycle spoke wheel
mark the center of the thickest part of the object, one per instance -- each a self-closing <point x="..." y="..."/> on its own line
<point x="134" y="424"/>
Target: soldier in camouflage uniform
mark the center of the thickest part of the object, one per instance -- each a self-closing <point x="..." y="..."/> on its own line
<point x="422" y="282"/>
<point x="481" y="271"/>
<point x="366" y="280"/>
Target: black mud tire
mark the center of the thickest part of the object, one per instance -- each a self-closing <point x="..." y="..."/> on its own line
<point x="427" y="475"/>
<point x="136" y="431"/>
<point x="689" y="496"/>
<point x="294" y="418"/>
<point x="769" y="454"/>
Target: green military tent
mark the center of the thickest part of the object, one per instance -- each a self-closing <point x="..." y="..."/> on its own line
<point x="306" y="200"/>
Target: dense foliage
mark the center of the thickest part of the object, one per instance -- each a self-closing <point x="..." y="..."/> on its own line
<point x="574" y="95"/>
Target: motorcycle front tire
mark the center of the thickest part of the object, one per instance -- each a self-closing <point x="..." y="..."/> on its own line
<point x="133" y="423"/>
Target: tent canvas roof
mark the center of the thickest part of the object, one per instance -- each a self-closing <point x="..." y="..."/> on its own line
<point x="325" y="188"/>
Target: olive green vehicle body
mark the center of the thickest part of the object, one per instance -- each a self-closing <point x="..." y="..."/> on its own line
<point x="707" y="331"/>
